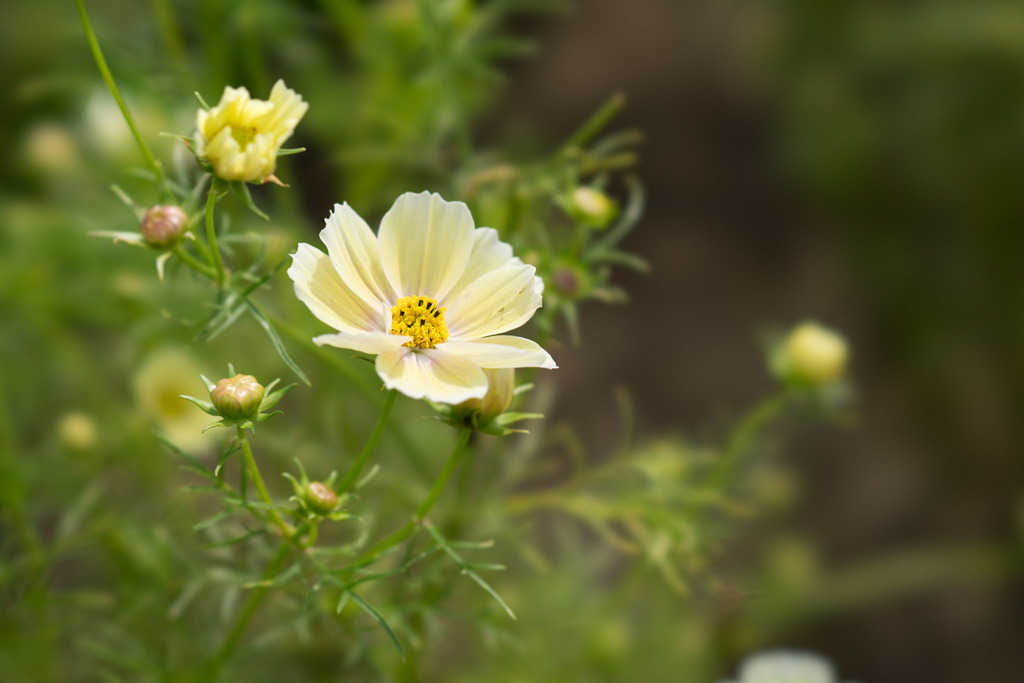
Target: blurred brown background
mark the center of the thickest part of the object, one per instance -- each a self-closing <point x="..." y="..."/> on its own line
<point x="857" y="163"/>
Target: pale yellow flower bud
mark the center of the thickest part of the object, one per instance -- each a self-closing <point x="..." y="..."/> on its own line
<point x="501" y="385"/>
<point x="238" y="397"/>
<point x="241" y="137"/>
<point x="812" y="355"/>
<point x="593" y="207"/>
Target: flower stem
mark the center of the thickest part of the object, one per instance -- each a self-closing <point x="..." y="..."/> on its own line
<point x="192" y="263"/>
<point x="251" y="605"/>
<point x="742" y="436"/>
<point x="250" y="463"/>
<point x="357" y="467"/>
<point x="421" y="512"/>
<point x="211" y="233"/>
<point x="108" y="78"/>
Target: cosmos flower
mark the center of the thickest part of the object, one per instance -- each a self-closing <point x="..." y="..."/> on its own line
<point x="159" y="383"/>
<point x="241" y="137"/>
<point x="430" y="296"/>
<point x="785" y="667"/>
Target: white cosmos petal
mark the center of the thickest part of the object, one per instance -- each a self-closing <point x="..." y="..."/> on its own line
<point x="497" y="302"/>
<point x="489" y="253"/>
<point x="353" y="250"/>
<point x="424" y="244"/>
<point x="431" y="374"/>
<point x="318" y="285"/>
<point x="503" y="351"/>
<point x="366" y="342"/>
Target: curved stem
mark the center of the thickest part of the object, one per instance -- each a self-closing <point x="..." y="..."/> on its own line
<point x="192" y="263"/>
<point x="108" y="78"/>
<point x="743" y="435"/>
<point x="250" y="463"/>
<point x="406" y="529"/>
<point x="211" y="232"/>
<point x="364" y="456"/>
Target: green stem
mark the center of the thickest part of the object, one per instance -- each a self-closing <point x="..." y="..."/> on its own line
<point x="211" y="233"/>
<point x="254" y="472"/>
<point x="108" y="78"/>
<point x="596" y="122"/>
<point x="251" y="605"/>
<point x="421" y="512"/>
<point x="742" y="436"/>
<point x="192" y="263"/>
<point x="357" y="467"/>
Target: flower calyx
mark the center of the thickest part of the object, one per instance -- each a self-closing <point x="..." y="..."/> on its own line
<point x="317" y="499"/>
<point x="490" y="414"/>
<point x="240" y="400"/>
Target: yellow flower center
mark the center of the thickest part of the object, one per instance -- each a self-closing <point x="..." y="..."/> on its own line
<point x="243" y="135"/>
<point x="420" y="318"/>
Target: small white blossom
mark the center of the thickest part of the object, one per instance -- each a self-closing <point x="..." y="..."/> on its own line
<point x="785" y="667"/>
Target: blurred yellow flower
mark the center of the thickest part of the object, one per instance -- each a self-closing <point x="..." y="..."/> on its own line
<point x="159" y="383"/>
<point x="430" y="296"/>
<point x="241" y="137"/>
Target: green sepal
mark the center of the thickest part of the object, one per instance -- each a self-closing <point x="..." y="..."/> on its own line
<point x="263" y="417"/>
<point x="290" y="150"/>
<point x="135" y="239"/>
<point x="272" y="399"/>
<point x="218" y="423"/>
<point x="205" y="406"/>
<point x="241" y="190"/>
<point x="512" y="418"/>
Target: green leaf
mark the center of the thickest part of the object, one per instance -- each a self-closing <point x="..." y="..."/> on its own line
<point x="380" y="620"/>
<point x="490" y="591"/>
<point x="192" y="465"/>
<point x="236" y="540"/>
<point x="224" y="458"/>
<point x="213" y="519"/>
<point x="276" y="341"/>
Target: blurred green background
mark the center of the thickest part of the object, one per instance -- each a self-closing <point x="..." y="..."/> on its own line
<point x="858" y="163"/>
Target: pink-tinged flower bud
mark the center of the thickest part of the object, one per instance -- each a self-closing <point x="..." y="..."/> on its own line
<point x="238" y="397"/>
<point x="163" y="226"/>
<point x="320" y="498"/>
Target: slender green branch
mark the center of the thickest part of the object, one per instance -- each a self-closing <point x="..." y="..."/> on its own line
<point x="409" y="527"/>
<point x="192" y="263"/>
<point x="211" y="232"/>
<point x="251" y="605"/>
<point x="108" y="78"/>
<point x="357" y="467"/>
<point x="743" y="435"/>
<point x="287" y="531"/>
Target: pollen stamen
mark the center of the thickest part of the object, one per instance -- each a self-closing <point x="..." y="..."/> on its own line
<point x="421" y="319"/>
